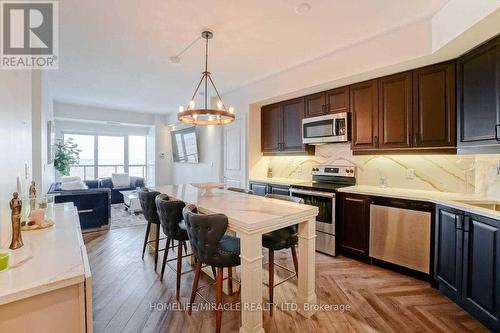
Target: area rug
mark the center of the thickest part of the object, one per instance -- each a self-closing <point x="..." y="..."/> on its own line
<point x="120" y="218"/>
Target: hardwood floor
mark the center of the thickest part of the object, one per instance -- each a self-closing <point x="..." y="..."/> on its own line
<point x="126" y="289"/>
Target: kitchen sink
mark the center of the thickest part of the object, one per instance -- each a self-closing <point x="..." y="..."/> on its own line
<point x="492" y="205"/>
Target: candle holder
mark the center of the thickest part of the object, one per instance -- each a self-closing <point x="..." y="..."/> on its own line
<point x="37" y="213"/>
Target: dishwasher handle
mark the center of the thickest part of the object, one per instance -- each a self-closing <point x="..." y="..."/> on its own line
<point x="403" y="204"/>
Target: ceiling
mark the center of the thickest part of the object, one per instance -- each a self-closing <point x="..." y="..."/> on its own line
<point x="115" y="53"/>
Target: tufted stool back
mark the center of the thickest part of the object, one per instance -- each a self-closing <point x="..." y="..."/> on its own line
<point x="148" y="205"/>
<point x="205" y="233"/>
<point x="170" y="214"/>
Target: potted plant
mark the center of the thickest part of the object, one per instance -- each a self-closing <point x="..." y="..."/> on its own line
<point x="67" y="154"/>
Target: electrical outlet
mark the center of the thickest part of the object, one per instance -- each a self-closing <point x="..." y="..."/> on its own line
<point x="410" y="173"/>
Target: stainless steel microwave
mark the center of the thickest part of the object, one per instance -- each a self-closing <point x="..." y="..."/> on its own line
<point x="325" y="129"/>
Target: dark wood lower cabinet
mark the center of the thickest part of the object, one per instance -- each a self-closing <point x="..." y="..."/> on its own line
<point x="467" y="261"/>
<point x="354" y="233"/>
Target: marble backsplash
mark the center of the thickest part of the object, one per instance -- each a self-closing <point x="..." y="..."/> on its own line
<point x="445" y="173"/>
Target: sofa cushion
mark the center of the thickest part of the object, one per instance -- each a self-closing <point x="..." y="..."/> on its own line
<point x="120" y="179"/>
<point x="75" y="185"/>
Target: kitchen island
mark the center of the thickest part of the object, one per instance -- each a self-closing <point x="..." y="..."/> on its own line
<point x="250" y="216"/>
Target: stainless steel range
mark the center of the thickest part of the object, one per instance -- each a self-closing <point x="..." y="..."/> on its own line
<point x="326" y="179"/>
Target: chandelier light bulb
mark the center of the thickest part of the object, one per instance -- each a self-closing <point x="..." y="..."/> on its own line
<point x="195" y="116"/>
<point x="210" y="118"/>
<point x="192" y="105"/>
<point x="181" y="109"/>
<point x="219" y="104"/>
<point x="231" y="110"/>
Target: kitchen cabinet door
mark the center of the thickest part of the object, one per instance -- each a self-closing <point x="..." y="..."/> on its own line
<point x="434" y="114"/>
<point x="448" y="251"/>
<point x="478" y="80"/>
<point x="337" y="100"/>
<point x="364" y="109"/>
<point x="276" y="189"/>
<point x="258" y="188"/>
<point x="481" y="269"/>
<point x="292" y="115"/>
<point x="315" y="105"/>
<point x="395" y="111"/>
<point x="271" y="128"/>
<point x="354" y="224"/>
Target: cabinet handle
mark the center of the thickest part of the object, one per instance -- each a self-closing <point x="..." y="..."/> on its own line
<point x="409" y="138"/>
<point x="323" y="107"/>
<point x="415" y="139"/>
<point x="459" y="222"/>
<point x="466" y="223"/>
<point x="497" y="137"/>
<point x="376" y="140"/>
<point x="327" y="108"/>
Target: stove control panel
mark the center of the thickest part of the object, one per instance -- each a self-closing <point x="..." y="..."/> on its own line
<point x="334" y="170"/>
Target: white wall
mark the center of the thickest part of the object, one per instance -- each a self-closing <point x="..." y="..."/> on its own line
<point x="42" y="112"/>
<point x="209" y="168"/>
<point x="15" y="139"/>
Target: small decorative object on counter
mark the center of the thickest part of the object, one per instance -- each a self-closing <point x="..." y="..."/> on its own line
<point x="38" y="214"/>
<point x="32" y="194"/>
<point x="269" y="172"/>
<point x="16" y="208"/>
<point x="4" y="259"/>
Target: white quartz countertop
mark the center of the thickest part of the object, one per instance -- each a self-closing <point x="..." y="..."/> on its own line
<point x="245" y="212"/>
<point x="279" y="181"/>
<point x="50" y="259"/>
<point x="449" y="199"/>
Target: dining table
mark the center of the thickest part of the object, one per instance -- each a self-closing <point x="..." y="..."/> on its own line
<point x="251" y="216"/>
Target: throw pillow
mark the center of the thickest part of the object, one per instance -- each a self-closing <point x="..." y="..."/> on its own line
<point x="120" y="180"/>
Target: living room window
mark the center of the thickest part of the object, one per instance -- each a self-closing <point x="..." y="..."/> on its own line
<point x="103" y="155"/>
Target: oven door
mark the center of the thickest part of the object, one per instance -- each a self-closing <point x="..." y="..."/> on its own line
<point x="325" y="201"/>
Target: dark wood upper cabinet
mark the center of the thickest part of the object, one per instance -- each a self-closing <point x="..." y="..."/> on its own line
<point x="354" y="224"/>
<point x="281" y="128"/>
<point x="271" y="127"/>
<point x="331" y="101"/>
<point x="434" y="114"/>
<point x="315" y="105"/>
<point x="478" y="96"/>
<point x="337" y="100"/>
<point x="292" y="115"/>
<point x="395" y="111"/>
<point x="364" y="109"/>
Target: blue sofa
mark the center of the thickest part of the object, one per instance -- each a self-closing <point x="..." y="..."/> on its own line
<point x="116" y="196"/>
<point x="93" y="204"/>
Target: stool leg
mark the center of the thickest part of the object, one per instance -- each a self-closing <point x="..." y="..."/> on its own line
<point x="271" y="281"/>
<point x="218" y="300"/>
<point x="179" y="269"/>
<point x="230" y="280"/>
<point x="295" y="261"/>
<point x="165" y="255"/>
<point x="146" y="240"/>
<point x="185" y="247"/>
<point x="213" y="272"/>
<point x="196" y="279"/>
<point x="157" y="244"/>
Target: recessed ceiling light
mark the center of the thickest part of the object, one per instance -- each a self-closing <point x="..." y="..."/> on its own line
<point x="175" y="59"/>
<point x="302" y="8"/>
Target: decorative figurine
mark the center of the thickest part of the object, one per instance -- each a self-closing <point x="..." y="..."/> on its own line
<point x="16" y="207"/>
<point x="32" y="195"/>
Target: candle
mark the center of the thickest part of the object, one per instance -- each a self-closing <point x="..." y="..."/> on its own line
<point x="4" y="260"/>
<point x="38" y="216"/>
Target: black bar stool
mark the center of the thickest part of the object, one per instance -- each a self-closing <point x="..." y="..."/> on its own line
<point x="212" y="247"/>
<point x="278" y="240"/>
<point x="148" y="205"/>
<point x="171" y="220"/>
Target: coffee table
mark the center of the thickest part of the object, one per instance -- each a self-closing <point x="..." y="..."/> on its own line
<point x="131" y="201"/>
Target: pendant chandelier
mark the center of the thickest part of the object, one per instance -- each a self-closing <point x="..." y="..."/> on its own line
<point x="206" y="115"/>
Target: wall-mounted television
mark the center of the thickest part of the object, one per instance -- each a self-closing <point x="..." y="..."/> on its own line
<point x="184" y="145"/>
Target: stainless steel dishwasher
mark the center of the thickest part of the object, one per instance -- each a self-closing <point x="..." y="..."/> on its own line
<point x="400" y="232"/>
